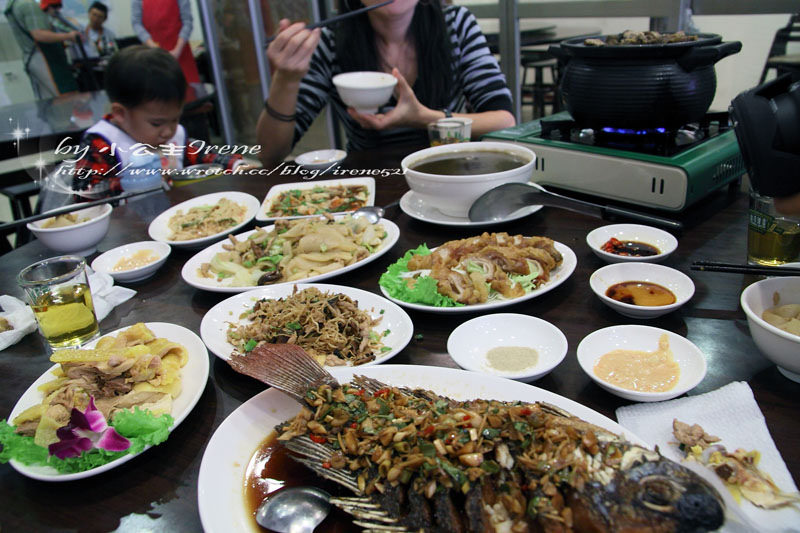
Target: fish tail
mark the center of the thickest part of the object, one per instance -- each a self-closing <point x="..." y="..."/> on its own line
<point x="286" y="367"/>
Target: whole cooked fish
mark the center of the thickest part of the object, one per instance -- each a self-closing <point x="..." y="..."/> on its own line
<point x="418" y="461"/>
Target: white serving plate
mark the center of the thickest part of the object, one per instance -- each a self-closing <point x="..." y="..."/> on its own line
<point x="276" y="191"/>
<point x="105" y="262"/>
<point x="222" y="471"/>
<point x="558" y="276"/>
<point x="214" y="327"/>
<point x="469" y="343"/>
<point x="190" y="268"/>
<point x="412" y="205"/>
<point x="645" y="338"/>
<point x="194" y="376"/>
<point x="665" y="242"/>
<point x="159" y="229"/>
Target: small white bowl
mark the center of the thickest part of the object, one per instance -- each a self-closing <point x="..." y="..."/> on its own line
<point x="780" y="347"/>
<point x="320" y="159"/>
<point x="454" y="195"/>
<point x="662" y="240"/>
<point x="679" y="283"/>
<point x="78" y="239"/>
<point x="470" y="341"/>
<point x="689" y="357"/>
<point x="105" y="262"/>
<point x="365" y="91"/>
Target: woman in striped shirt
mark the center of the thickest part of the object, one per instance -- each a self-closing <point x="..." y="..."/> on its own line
<point x="437" y="53"/>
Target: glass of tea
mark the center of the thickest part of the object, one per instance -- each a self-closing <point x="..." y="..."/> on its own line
<point x="772" y="239"/>
<point x="58" y="291"/>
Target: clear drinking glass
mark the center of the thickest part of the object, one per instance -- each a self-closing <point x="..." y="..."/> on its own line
<point x="772" y="239"/>
<point x="58" y="292"/>
<point x="450" y="130"/>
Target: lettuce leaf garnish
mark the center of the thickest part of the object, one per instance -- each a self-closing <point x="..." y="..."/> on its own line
<point x="140" y="427"/>
<point x="424" y="290"/>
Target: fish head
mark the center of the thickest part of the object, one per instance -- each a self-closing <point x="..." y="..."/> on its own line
<point x="647" y="492"/>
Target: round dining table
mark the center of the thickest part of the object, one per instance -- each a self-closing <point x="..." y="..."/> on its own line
<point x="157" y="490"/>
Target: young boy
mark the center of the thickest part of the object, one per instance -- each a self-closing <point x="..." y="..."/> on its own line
<point x="146" y="88"/>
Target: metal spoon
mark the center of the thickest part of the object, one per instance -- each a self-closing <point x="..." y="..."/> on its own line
<point x="501" y="201"/>
<point x="294" y="510"/>
<point x="372" y="213"/>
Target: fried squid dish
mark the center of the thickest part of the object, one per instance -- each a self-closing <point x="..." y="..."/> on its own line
<point x="330" y="327"/>
<point x="472" y="270"/>
<point x="417" y="461"/>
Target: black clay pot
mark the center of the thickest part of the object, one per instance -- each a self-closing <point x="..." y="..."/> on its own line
<point x="641" y="86"/>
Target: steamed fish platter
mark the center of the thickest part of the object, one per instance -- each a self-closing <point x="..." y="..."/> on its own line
<point x="493" y="266"/>
<point x="417" y="461"/>
<point x="293" y="250"/>
<point x="124" y="385"/>
<point x="205" y="220"/>
<point x="319" y="200"/>
<point x="330" y="327"/>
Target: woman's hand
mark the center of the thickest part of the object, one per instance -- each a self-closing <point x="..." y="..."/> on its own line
<point x="290" y="53"/>
<point x="408" y="112"/>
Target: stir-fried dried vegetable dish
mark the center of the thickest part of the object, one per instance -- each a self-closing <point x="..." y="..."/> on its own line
<point x="330" y="327"/>
<point x="205" y="220"/>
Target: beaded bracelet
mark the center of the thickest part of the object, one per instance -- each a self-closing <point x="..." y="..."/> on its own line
<point x="278" y="115"/>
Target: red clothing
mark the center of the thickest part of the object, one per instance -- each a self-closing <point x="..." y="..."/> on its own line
<point x="162" y="20"/>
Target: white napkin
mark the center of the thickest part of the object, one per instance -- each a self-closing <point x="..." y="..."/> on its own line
<point x="105" y="295"/>
<point x="21" y="318"/>
<point x="730" y="413"/>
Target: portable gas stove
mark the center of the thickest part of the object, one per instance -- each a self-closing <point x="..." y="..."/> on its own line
<point x="656" y="168"/>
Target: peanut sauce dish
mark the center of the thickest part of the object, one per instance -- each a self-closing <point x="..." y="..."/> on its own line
<point x="641" y="363"/>
<point x="136" y="261"/>
<point x="508" y="345"/>
<point x="619" y="243"/>
<point x="641" y="290"/>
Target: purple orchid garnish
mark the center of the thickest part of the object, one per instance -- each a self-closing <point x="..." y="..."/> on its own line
<point x="87" y="430"/>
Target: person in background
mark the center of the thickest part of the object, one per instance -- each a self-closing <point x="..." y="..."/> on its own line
<point x="43" y="53"/>
<point x="100" y="41"/>
<point x="167" y="24"/>
<point x="146" y="88"/>
<point x="437" y="53"/>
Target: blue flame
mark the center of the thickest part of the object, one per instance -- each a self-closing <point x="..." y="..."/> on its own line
<point x="624" y="131"/>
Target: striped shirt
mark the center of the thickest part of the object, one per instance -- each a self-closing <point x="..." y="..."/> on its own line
<point x="479" y="85"/>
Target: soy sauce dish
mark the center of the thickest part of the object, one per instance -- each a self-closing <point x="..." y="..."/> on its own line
<point x="641" y="290"/>
<point x="619" y="243"/>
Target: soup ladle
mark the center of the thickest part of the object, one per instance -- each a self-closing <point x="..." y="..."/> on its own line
<point x="498" y="203"/>
<point x="372" y="213"/>
<point x="294" y="510"/>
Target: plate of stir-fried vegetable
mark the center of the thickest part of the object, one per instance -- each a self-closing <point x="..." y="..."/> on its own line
<point x="316" y="197"/>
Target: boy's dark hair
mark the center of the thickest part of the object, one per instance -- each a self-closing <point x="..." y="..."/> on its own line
<point x="139" y="74"/>
<point x="99" y="6"/>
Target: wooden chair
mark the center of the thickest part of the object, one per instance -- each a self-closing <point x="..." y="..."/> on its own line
<point x="540" y="93"/>
<point x="778" y="59"/>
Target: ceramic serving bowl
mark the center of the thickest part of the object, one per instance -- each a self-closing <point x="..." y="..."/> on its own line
<point x="690" y="359"/>
<point x="453" y="195"/>
<point x="677" y="282"/>
<point x="78" y="239"/>
<point x="780" y="347"/>
<point x="665" y="242"/>
<point x="106" y="262"/>
<point x="469" y="343"/>
<point x="365" y="91"/>
<point x="320" y="159"/>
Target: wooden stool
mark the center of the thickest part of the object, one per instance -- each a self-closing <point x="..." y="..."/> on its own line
<point x="542" y="93"/>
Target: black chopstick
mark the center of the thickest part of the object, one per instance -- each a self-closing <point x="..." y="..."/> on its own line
<point x="77" y="207"/>
<point x="755" y="270"/>
<point x="337" y="18"/>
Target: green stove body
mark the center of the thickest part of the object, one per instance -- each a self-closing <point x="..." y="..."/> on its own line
<point x="656" y="168"/>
